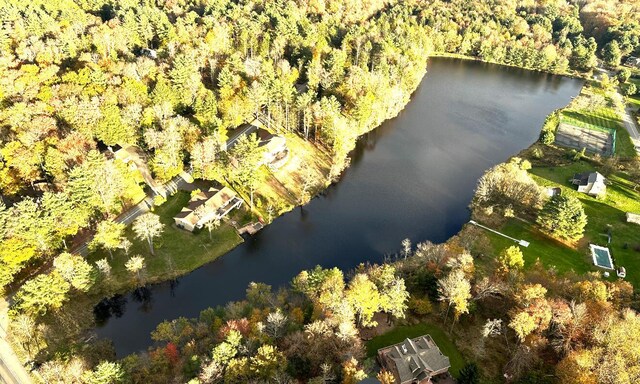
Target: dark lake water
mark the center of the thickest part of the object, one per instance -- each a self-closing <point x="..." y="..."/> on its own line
<point x="413" y="177"/>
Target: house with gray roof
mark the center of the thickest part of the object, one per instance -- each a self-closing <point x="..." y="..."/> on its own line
<point x="414" y="361"/>
<point x="591" y="183"/>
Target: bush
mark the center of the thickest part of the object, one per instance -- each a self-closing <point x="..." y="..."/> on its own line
<point x="420" y="306"/>
<point x="630" y="90"/>
<point x="469" y="374"/>
<point x="158" y="200"/>
<point x="537" y="153"/>
<point x="548" y="135"/>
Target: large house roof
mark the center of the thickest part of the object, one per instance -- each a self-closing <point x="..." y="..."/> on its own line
<point x="416" y="359"/>
<point x="213" y="199"/>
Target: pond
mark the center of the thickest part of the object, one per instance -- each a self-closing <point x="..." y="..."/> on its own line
<point x="413" y="177"/>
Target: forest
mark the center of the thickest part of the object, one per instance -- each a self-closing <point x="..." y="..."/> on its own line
<point x="80" y="78"/>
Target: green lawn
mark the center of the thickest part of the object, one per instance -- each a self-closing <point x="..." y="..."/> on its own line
<point x="602" y="215"/>
<point x="177" y="251"/>
<point x="398" y="334"/>
<point x="598" y="119"/>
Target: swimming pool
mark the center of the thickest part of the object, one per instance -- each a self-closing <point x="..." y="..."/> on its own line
<point x="601" y="256"/>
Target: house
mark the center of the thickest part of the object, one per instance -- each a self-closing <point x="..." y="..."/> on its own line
<point x="591" y="183"/>
<point x="633" y="62"/>
<point x="206" y="206"/>
<point x="275" y="146"/>
<point x="415" y="360"/>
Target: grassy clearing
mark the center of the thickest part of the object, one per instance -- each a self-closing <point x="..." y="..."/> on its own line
<point x="597" y="119"/>
<point x="400" y="333"/>
<point x="603" y="215"/>
<point x="281" y="189"/>
<point x="177" y="251"/>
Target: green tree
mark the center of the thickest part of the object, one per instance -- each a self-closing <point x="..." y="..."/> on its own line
<point x="42" y="293"/>
<point x="147" y="227"/>
<point x="108" y="236"/>
<point x="630" y="90"/>
<point x="75" y="270"/>
<point x="105" y="373"/>
<point x="135" y="265"/>
<point x="623" y="75"/>
<point x="511" y="258"/>
<point x="563" y="217"/>
<point x="611" y="54"/>
<point x="248" y="155"/>
<point x="363" y="296"/>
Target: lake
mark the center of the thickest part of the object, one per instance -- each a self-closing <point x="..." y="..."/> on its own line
<point x="413" y="177"/>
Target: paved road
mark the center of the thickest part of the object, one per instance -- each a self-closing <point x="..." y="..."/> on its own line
<point x="11" y="369"/>
<point x="628" y="119"/>
<point x="132" y="213"/>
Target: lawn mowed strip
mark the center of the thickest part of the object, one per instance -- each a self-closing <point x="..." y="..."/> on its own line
<point x="604" y="216"/>
<point x="401" y="333"/>
<point x="177" y="251"/>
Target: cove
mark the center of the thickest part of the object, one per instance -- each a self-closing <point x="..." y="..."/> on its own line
<point x="413" y="177"/>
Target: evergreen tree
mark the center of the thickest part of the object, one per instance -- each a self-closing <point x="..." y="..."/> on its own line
<point x="563" y="217"/>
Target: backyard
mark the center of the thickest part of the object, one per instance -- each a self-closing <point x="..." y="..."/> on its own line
<point x="400" y="333"/>
<point x="176" y="251"/>
<point x="604" y="216"/>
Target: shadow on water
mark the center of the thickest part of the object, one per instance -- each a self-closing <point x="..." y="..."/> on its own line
<point x="413" y="177"/>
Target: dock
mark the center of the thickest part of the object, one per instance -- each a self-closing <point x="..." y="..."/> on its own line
<point x="251" y="228"/>
<point x="520" y="242"/>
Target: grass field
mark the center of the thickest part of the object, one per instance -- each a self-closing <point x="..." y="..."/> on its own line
<point x="177" y="251"/>
<point x="603" y="215"/>
<point x="602" y="119"/>
<point x="398" y="334"/>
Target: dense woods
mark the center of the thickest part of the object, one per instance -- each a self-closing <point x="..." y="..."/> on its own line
<point x="79" y="79"/>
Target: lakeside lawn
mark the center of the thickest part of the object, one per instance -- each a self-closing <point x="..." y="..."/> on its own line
<point x="398" y="334"/>
<point x="607" y="213"/>
<point x="280" y="190"/>
<point x="177" y="251"/>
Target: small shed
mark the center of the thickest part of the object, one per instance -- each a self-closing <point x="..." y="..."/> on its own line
<point x="551" y="192"/>
<point x="633" y="218"/>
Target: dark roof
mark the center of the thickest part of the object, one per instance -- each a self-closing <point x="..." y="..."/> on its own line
<point x="582" y="178"/>
<point x="415" y="359"/>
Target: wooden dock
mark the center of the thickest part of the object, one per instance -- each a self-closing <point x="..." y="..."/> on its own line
<point x="251" y="228"/>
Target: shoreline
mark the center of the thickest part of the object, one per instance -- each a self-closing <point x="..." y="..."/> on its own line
<point x="163" y="279"/>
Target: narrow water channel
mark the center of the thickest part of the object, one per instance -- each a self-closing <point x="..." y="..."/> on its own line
<point x="413" y="177"/>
